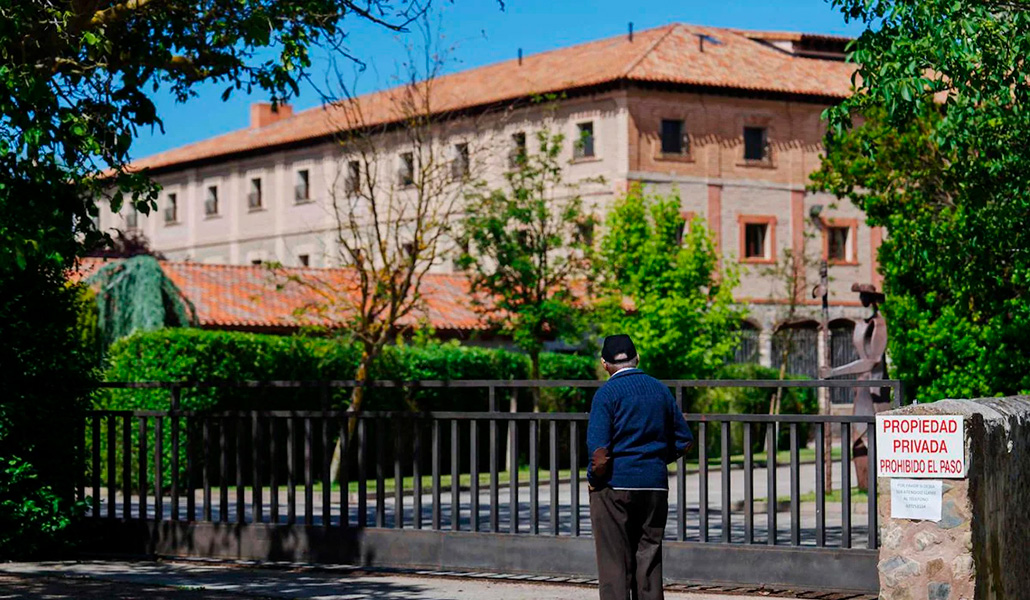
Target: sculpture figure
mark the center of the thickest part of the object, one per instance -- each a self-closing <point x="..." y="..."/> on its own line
<point x="870" y="340"/>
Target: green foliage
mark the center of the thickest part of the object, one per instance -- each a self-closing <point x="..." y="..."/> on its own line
<point x="75" y="80"/>
<point x="33" y="518"/>
<point x="75" y="89"/>
<point x="682" y="319"/>
<point x="199" y="355"/>
<point x="87" y="324"/>
<point x="753" y="401"/>
<point x="528" y="248"/>
<point x="176" y="354"/>
<point x="949" y="178"/>
<point x="46" y="367"/>
<point x="136" y="295"/>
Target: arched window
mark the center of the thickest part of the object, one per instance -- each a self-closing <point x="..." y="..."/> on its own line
<point x="842" y="352"/>
<point x="798" y="344"/>
<point x="747" y="350"/>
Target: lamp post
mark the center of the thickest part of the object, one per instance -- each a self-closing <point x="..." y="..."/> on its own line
<point x="823" y="292"/>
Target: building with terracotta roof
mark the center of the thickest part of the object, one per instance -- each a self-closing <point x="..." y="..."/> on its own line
<point x="729" y="119"/>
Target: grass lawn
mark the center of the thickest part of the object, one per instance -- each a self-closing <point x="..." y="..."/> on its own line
<point x="805" y="455"/>
<point x="857" y="496"/>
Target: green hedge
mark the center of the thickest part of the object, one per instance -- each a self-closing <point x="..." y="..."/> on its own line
<point x="199" y="355"/>
<point x="753" y="401"/>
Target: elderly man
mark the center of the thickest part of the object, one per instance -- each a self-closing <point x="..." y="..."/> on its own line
<point x="635" y="430"/>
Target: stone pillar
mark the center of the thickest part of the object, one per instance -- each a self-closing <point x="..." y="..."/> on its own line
<point x="980" y="549"/>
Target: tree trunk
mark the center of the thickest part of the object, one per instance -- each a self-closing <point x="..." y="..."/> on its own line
<point x="775" y="401"/>
<point x="357" y="397"/>
<point x="534" y="374"/>
<point x="513" y="407"/>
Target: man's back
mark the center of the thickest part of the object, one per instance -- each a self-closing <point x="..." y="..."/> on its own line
<point x="635" y="419"/>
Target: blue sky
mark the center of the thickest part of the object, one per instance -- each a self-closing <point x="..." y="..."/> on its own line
<point x="478" y="32"/>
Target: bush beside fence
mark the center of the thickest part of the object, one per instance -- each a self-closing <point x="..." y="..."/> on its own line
<point x="198" y="355"/>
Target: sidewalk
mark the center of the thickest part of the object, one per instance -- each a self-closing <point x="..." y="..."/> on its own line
<point x="123" y="580"/>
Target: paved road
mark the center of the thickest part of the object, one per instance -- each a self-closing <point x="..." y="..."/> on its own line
<point x="806" y="484"/>
<point x="184" y="581"/>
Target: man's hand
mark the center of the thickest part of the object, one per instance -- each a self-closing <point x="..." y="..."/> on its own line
<point x="600" y="463"/>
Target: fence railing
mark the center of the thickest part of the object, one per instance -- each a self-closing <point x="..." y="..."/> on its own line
<point x="751" y="479"/>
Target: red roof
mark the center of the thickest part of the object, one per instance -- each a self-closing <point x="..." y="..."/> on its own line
<point x="246" y="297"/>
<point x="730" y="59"/>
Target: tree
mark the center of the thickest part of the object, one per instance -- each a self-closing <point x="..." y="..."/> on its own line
<point x="134" y="294"/>
<point x="789" y="279"/>
<point x="391" y="221"/>
<point x="76" y="78"/>
<point x="660" y="281"/>
<point x="931" y="147"/>
<point x="528" y="247"/>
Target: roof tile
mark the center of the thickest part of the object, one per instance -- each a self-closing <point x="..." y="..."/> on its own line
<point x="669" y="54"/>
<point x="258" y="297"/>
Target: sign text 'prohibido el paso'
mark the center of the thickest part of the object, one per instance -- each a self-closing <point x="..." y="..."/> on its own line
<point x="920" y="446"/>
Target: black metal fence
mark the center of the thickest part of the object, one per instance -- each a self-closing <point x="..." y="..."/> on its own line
<point x="751" y="479"/>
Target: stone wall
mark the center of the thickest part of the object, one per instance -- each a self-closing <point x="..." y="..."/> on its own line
<point x="980" y="549"/>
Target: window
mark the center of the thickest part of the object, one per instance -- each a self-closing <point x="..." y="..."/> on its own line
<point x="302" y="187"/>
<point x="460" y="166"/>
<point x="756" y="236"/>
<point x="517" y="155"/>
<point x="837" y="243"/>
<point x="585" y="140"/>
<point x="305" y="260"/>
<point x="406" y="175"/>
<point x="254" y="197"/>
<point x="756" y="143"/>
<point x="211" y="202"/>
<point x="256" y="262"/>
<point x="684" y="226"/>
<point x="839" y="240"/>
<point x="747" y="350"/>
<point x="132" y="218"/>
<point x="172" y="209"/>
<point x="674" y="138"/>
<point x="353" y="183"/>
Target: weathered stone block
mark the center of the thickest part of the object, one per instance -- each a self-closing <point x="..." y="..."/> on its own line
<point x="891" y="537"/>
<point x="925" y="539"/>
<point x="897" y="568"/>
<point x="938" y="591"/>
<point x="935" y="568"/>
<point x="951" y="515"/>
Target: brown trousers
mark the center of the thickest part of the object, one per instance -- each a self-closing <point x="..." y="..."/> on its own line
<point x="628" y="528"/>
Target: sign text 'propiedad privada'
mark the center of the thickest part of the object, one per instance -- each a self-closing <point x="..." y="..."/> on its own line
<point x="920" y="446"/>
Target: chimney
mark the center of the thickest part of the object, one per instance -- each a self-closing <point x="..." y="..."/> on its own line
<point x="520" y="57"/>
<point x="631" y="31"/>
<point x="262" y="114"/>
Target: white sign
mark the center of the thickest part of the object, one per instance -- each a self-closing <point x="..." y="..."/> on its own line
<point x="920" y="446"/>
<point x="915" y="499"/>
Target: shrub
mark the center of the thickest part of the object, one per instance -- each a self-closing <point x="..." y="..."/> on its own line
<point x="46" y="368"/>
<point x="33" y="519"/>
<point x="199" y="355"/>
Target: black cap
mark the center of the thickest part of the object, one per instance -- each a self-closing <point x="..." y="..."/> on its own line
<point x="618" y="348"/>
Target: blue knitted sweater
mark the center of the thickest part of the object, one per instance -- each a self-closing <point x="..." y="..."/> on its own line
<point x="635" y="417"/>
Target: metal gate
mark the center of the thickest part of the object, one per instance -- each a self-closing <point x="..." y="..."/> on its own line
<point x="490" y="490"/>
